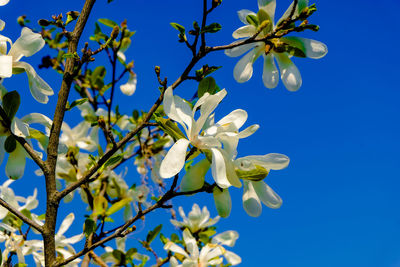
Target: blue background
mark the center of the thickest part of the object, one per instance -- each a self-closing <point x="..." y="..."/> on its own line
<point x="340" y="130"/>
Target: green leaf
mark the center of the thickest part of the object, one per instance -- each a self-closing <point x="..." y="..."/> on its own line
<point x="11" y="102"/>
<point x="153" y="233"/>
<point x="263" y="18"/>
<point x="89" y="227"/>
<point x="163" y="239"/>
<point x="206" y="70"/>
<point x="108" y="22"/>
<point x="113" y="160"/>
<point x="212" y="28"/>
<point x="207" y="85"/>
<point x="77" y="102"/>
<point x="118" y="205"/>
<point x="178" y="27"/>
<point x="99" y="205"/>
<point x="10" y="144"/>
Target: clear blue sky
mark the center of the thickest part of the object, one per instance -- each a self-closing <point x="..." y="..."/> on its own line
<point x="341" y="129"/>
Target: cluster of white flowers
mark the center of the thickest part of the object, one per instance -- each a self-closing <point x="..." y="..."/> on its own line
<point x="211" y="253"/>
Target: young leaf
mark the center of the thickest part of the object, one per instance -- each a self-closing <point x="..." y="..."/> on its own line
<point x="213" y="28"/>
<point x="108" y="22"/>
<point x="89" y="227"/>
<point x="11" y="102"/>
<point x="153" y="233"/>
<point x="113" y="160"/>
<point x="10" y="144"/>
<point x="207" y="85"/>
<point x="179" y="27"/>
<point x="117" y="206"/>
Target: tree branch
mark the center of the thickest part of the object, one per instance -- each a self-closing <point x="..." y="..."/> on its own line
<point x="21" y="216"/>
<point x="52" y="149"/>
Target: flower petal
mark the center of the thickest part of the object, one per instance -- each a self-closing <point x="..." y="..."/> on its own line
<point x="27" y="44"/>
<point x="248" y="131"/>
<point x="290" y="74"/>
<point x="244" y="32"/>
<point x="16" y="163"/>
<point x="237" y="117"/>
<point x="175" y="159"/>
<point x="267" y="195"/>
<point x="38" y="87"/>
<point x="240" y="50"/>
<point x="244" y="68"/>
<point x="269" y="6"/>
<point x="251" y="203"/>
<point x="176" y="249"/>
<point x="243" y="15"/>
<point x="4" y="2"/>
<point x="2" y="25"/>
<point x="194" y="177"/>
<point x="227" y="238"/>
<point x="311" y="48"/>
<point x="191" y="244"/>
<point x="19" y="128"/>
<point x="218" y="169"/>
<point x="170" y="108"/>
<point x="270" y="72"/>
<point x="223" y="202"/>
<point x="232" y="258"/>
<point x="130" y="87"/>
<point x="66" y="223"/>
<point x="5" y="66"/>
<point x="272" y="161"/>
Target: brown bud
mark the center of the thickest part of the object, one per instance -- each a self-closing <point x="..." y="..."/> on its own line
<point x="115" y="32"/>
<point x="44" y="22"/>
<point x="157" y="69"/>
<point x="73" y="14"/>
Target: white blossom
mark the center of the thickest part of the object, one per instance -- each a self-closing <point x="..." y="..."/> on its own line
<point x="277" y="48"/>
<point x="196" y="220"/>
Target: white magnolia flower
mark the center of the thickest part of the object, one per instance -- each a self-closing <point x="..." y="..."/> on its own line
<point x="26" y="45"/>
<point x="255" y="189"/>
<point x="210" y="254"/>
<point x="8" y="195"/>
<point x="63" y="245"/>
<point x="129" y="88"/>
<point x="4" y="2"/>
<point x="197" y="219"/>
<point x="83" y="136"/>
<point x="280" y="49"/>
<point x="180" y="111"/>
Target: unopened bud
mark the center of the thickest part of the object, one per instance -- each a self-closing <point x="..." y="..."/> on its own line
<point x="44" y="22"/>
<point x="73" y="14"/>
<point x="216" y="3"/>
<point x="157" y="70"/>
<point x="115" y="32"/>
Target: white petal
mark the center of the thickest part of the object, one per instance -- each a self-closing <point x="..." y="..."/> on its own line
<point x="5" y="66"/>
<point x="173" y="262"/>
<point x="194" y="177"/>
<point x="209" y="105"/>
<point x="240" y="50"/>
<point x="251" y="203"/>
<point x="270" y="72"/>
<point x="16" y="163"/>
<point x="227" y="238"/>
<point x="237" y="117"/>
<point x="267" y="195"/>
<point x="66" y="223"/>
<point x="27" y="44"/>
<point x="175" y="159"/>
<point x="38" y="87"/>
<point x="269" y="6"/>
<point x="4" y="2"/>
<point x="74" y="239"/>
<point x="218" y="169"/>
<point x="244" y="68"/>
<point x="244" y="32"/>
<point x="37" y="118"/>
<point x="272" y="161"/>
<point x="290" y="74"/>
<point x="170" y="108"/>
<point x="2" y="25"/>
<point x="176" y="249"/>
<point x="207" y="142"/>
<point x="223" y="202"/>
<point x="232" y="258"/>
<point x="244" y="13"/>
<point x="184" y="111"/>
<point x="19" y="128"/>
<point x="191" y="244"/>
<point x="130" y="87"/>
<point x="248" y="131"/>
<point x="312" y="48"/>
